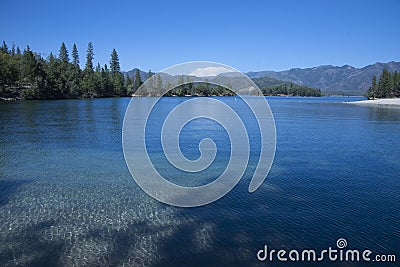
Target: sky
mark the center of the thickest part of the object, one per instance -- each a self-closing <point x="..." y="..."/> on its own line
<point x="247" y="35"/>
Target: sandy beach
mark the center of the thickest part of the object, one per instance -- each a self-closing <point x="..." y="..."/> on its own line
<point x="385" y="102"/>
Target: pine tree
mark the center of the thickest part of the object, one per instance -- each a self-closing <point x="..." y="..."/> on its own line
<point x="114" y="62"/>
<point x="159" y="84"/>
<point x="18" y="51"/>
<point x="75" y="55"/>
<point x="98" y="89"/>
<point x="149" y="74"/>
<point x="12" y="52"/>
<point x="385" y="84"/>
<point x="128" y="84"/>
<point x="88" y="82"/>
<point x="116" y="75"/>
<point x="150" y="84"/>
<point x="396" y="84"/>
<point x="28" y="66"/>
<point x="4" y="47"/>
<point x="138" y="81"/>
<point x="89" y="57"/>
<point x="63" y="53"/>
<point x="372" y="91"/>
<point x="105" y="76"/>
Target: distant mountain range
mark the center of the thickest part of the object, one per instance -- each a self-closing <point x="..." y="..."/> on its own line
<point x="132" y="72"/>
<point x="346" y="80"/>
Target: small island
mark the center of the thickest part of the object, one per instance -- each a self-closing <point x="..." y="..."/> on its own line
<point x="274" y="87"/>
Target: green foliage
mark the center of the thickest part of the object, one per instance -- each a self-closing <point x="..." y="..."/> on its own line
<point x="63" y="54"/>
<point x="89" y="58"/>
<point x="387" y="87"/>
<point x="199" y="89"/>
<point x="75" y="55"/>
<point x="114" y="62"/>
<point x="117" y="77"/>
<point x="29" y="76"/>
<point x="128" y="85"/>
<point x="271" y="86"/>
<point x="4" y="48"/>
<point x="291" y="89"/>
<point x="137" y="82"/>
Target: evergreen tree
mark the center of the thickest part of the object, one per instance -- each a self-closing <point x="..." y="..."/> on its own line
<point x="372" y="91"/>
<point x="74" y="81"/>
<point x="396" y="84"/>
<point x="114" y="62"/>
<point x="105" y="77"/>
<point x="159" y="84"/>
<point x="29" y="76"/>
<point x="12" y="52"/>
<point x="9" y="70"/>
<point x="385" y="84"/>
<point x="28" y="66"/>
<point x="75" y="55"/>
<point x="89" y="58"/>
<point x="388" y="85"/>
<point x="116" y="75"/>
<point x="4" y="47"/>
<point x="88" y="82"/>
<point x="138" y="81"/>
<point x="99" y="87"/>
<point x="128" y="84"/>
<point x="63" y="53"/>
<point x="53" y="77"/>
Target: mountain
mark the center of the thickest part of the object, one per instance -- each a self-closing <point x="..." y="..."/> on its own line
<point x="131" y="74"/>
<point x="230" y="78"/>
<point x="345" y="80"/>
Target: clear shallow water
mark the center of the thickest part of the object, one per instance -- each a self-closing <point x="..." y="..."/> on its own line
<point x="67" y="198"/>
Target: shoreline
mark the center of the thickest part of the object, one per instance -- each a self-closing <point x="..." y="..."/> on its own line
<point x="378" y="102"/>
<point x="11" y="99"/>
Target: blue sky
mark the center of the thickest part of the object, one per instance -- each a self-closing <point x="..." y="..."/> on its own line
<point x="247" y="35"/>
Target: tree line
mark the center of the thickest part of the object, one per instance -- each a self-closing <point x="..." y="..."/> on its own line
<point x="198" y="89"/>
<point x="388" y="85"/>
<point x="273" y="87"/>
<point x="291" y="89"/>
<point x="28" y="75"/>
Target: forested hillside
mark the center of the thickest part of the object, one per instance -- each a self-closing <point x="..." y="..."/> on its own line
<point x="26" y="74"/>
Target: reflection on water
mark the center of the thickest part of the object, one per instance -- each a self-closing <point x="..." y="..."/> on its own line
<point x="384" y="114"/>
<point x="67" y="198"/>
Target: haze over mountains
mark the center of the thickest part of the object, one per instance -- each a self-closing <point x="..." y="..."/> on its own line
<point x="344" y="80"/>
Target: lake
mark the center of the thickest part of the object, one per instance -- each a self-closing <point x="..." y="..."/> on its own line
<point x="67" y="197"/>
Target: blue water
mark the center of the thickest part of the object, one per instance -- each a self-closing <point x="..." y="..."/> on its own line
<point x="67" y="197"/>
